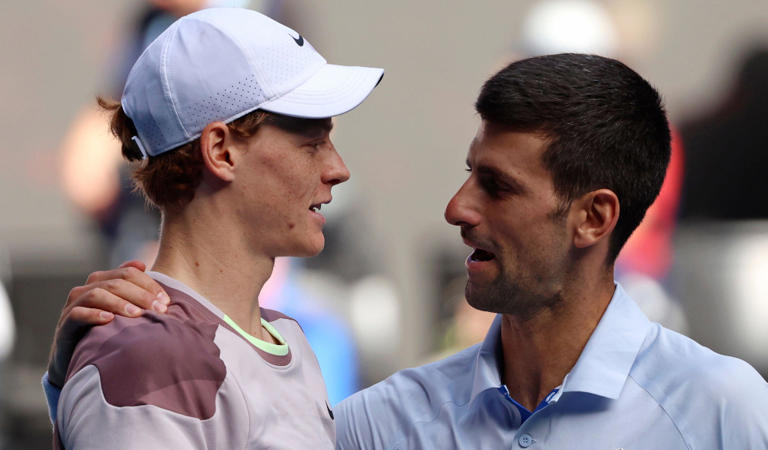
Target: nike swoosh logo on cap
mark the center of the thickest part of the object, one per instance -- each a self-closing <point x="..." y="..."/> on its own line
<point x="299" y="41"/>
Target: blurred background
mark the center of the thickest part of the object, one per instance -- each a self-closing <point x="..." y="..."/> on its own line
<point x="388" y="291"/>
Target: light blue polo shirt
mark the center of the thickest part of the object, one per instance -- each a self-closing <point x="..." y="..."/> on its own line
<point x="636" y="385"/>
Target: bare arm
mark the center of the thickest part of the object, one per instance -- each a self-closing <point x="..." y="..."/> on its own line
<point x="124" y="291"/>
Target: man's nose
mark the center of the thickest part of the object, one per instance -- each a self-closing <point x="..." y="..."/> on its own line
<point x="462" y="209"/>
<point x="337" y="172"/>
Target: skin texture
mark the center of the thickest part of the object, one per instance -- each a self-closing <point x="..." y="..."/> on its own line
<point x="252" y="206"/>
<point x="281" y="183"/>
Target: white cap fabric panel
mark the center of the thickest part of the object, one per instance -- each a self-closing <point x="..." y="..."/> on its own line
<point x="233" y="77"/>
<point x="222" y="63"/>
<point x="277" y="60"/>
<point x="208" y="85"/>
<point x="145" y="99"/>
<point x="332" y="91"/>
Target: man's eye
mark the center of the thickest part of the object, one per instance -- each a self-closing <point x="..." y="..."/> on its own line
<point x="316" y="146"/>
<point x="490" y="185"/>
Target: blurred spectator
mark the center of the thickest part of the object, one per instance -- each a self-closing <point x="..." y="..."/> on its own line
<point x="723" y="246"/>
<point x="7" y="339"/>
<point x="649" y="249"/>
<point x="577" y="26"/>
<point x="7" y="325"/>
<point x="726" y="150"/>
<point x="7" y="322"/>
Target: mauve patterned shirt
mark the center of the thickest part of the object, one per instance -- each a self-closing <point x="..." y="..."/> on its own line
<point x="191" y="378"/>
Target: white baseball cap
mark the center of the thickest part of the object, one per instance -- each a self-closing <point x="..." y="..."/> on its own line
<point x="220" y="64"/>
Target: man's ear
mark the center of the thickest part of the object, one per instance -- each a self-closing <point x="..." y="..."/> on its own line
<point x="596" y="213"/>
<point x="216" y="145"/>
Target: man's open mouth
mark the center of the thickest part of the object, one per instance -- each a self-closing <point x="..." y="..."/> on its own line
<point x="481" y="255"/>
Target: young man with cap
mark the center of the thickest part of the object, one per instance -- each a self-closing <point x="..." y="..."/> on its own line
<point x="230" y="113"/>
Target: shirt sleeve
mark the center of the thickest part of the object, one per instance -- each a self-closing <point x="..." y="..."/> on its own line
<point x="731" y="403"/>
<point x="351" y="426"/>
<point x="370" y="419"/>
<point x="743" y="412"/>
<point x="52" y="394"/>
<point x="87" y="421"/>
<point x="150" y="383"/>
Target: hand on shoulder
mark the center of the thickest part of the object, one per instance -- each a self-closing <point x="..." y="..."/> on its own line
<point x="125" y="291"/>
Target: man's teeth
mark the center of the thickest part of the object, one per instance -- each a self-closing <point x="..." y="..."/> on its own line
<point x="315" y="208"/>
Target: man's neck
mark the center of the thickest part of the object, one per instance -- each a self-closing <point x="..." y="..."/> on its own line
<point x="215" y="263"/>
<point x="540" y="351"/>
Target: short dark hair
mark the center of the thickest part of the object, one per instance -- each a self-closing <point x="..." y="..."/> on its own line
<point x="606" y="125"/>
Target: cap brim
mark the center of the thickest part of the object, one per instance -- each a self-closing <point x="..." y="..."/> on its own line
<point x="333" y="90"/>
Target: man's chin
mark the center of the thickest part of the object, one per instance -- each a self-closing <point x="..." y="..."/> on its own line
<point x="306" y="250"/>
<point x="505" y="299"/>
<point x="480" y="299"/>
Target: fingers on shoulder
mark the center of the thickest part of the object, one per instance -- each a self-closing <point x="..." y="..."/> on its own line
<point x="129" y="273"/>
<point x="112" y="296"/>
<point x="92" y="316"/>
<point x="117" y="290"/>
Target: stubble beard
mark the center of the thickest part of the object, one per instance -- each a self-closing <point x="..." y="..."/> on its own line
<point x="504" y="296"/>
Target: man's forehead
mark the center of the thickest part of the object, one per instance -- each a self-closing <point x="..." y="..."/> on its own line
<point x="480" y="157"/>
<point x="506" y="150"/>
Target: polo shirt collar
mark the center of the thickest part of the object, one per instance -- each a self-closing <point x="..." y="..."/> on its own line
<point x="604" y="364"/>
<point x="486" y="373"/>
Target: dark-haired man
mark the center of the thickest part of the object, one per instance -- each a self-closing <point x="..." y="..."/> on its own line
<point x="571" y="151"/>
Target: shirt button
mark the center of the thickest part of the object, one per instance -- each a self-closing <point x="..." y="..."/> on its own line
<point x="525" y="440"/>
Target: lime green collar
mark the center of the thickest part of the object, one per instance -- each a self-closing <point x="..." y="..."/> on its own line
<point x="280" y="349"/>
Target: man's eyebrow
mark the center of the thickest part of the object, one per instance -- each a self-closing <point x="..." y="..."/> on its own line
<point x="319" y="127"/>
<point x="505" y="179"/>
